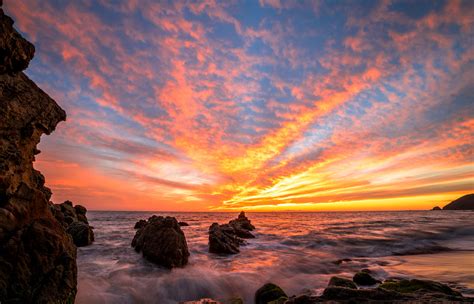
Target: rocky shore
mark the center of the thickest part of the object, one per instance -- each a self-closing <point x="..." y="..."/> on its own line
<point x="344" y="290"/>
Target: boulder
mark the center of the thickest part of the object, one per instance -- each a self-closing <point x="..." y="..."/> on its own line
<point x="341" y="282"/>
<point x="363" y="278"/>
<point x="222" y="239"/>
<point x="162" y="242"/>
<point x="436" y="208"/>
<point x="37" y="256"/>
<point x="270" y="293"/>
<point x="465" y="202"/>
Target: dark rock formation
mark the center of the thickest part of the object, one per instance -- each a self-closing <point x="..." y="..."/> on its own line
<point x="222" y="239"/>
<point x="37" y="256"/>
<point x="74" y="220"/>
<point x="162" y="242"/>
<point x="415" y="285"/>
<point x="183" y="224"/>
<point x="227" y="238"/>
<point x="363" y="278"/>
<point x="140" y="224"/>
<point x="242" y="223"/>
<point x="341" y="282"/>
<point x="391" y="291"/>
<point x="270" y="293"/>
<point x="465" y="202"/>
<point x="436" y="208"/>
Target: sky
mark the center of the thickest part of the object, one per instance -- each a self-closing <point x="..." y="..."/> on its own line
<point x="255" y="105"/>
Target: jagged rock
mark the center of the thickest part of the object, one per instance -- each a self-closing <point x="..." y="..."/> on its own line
<point x="37" y="256"/>
<point x="140" y="224"/>
<point x="74" y="220"/>
<point x="227" y="238"/>
<point x="363" y="278"/>
<point x="242" y="223"/>
<point x="270" y="293"/>
<point x="162" y="241"/>
<point x="341" y="282"/>
<point x="222" y="239"/>
<point x="465" y="202"/>
<point x="183" y="224"/>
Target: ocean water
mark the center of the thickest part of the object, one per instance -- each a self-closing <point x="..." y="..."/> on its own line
<point x="294" y="250"/>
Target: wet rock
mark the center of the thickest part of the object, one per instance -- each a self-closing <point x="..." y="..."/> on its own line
<point x="341" y="282"/>
<point x="162" y="242"/>
<point x="349" y="295"/>
<point x="415" y="285"/>
<point x="74" y="220"/>
<point x="436" y="208"/>
<point x="140" y="224"/>
<point x="222" y="239"/>
<point x="242" y="223"/>
<point x="270" y="293"/>
<point x="37" y="256"/>
<point x="183" y="224"/>
<point x="227" y="238"/>
<point x="363" y="278"/>
<point x="465" y="202"/>
<point x="81" y="233"/>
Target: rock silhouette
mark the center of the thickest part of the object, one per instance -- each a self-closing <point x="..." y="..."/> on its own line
<point x="465" y="202"/>
<point x="74" y="220"/>
<point x="227" y="238"/>
<point x="162" y="242"/>
<point x="37" y="256"/>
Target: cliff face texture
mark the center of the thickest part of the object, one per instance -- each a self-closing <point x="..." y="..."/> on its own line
<point x="37" y="256"/>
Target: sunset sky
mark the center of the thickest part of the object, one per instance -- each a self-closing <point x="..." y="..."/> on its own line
<point x="255" y="105"/>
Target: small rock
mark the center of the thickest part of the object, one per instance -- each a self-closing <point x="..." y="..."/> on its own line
<point x="341" y="282"/>
<point x="270" y="293"/>
<point x="436" y="208"/>
<point x="363" y="278"/>
<point x="183" y="224"/>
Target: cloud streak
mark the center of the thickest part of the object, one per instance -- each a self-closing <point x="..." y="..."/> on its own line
<point x="271" y="105"/>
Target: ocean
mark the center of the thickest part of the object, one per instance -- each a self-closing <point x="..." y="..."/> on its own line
<point x="297" y="251"/>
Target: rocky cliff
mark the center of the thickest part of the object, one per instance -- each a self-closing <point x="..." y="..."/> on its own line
<point x="37" y="256"/>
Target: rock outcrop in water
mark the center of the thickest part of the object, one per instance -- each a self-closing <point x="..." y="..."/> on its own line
<point x="227" y="238"/>
<point x="162" y="242"/>
<point x="465" y="202"/>
<point x="74" y="220"/>
<point x="37" y="256"/>
<point x="342" y="290"/>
